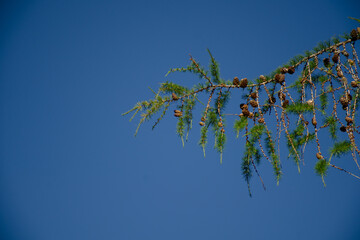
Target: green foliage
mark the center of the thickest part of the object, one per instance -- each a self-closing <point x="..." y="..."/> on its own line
<point x="321" y="168"/>
<point x="298" y="108"/>
<point x="341" y="148"/>
<point x="240" y="125"/>
<point x="323" y="85"/>
<point x="332" y="123"/>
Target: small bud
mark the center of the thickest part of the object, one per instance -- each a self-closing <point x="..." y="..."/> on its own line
<point x="319" y="156"/>
<point x="174" y="97"/>
<point x="291" y="70"/>
<point x="343" y="128"/>
<point x="178" y="114"/>
<point x="220" y="124"/>
<point x="348" y="120"/>
<point x="313" y="121"/>
<point x="236" y="81"/>
<point x="340" y="73"/>
<point x="310" y="102"/>
<point x="253" y="103"/>
<point x="243" y="83"/>
<point x="262" y="78"/>
<point x="201" y="123"/>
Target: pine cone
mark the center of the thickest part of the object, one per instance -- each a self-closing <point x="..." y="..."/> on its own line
<point x="236" y="81"/>
<point x="348" y="120"/>
<point x="340" y="73"/>
<point x="272" y="100"/>
<point x="253" y="103"/>
<point x="354" y="84"/>
<point x="291" y="70"/>
<point x="345" y="53"/>
<point x="279" y="78"/>
<point x="220" y="124"/>
<point x="201" y="123"/>
<point x="344" y="101"/>
<point x="245" y="112"/>
<point x="251" y="115"/>
<point x="281" y="95"/>
<point x="313" y="121"/>
<point x="222" y="130"/>
<point x="319" y="156"/>
<point x="203" y="119"/>
<point x="243" y="83"/>
<point x="343" y="128"/>
<point x="285" y="103"/>
<point x="326" y="62"/>
<point x="174" y="97"/>
<point x="243" y="106"/>
<point x="262" y="78"/>
<point x="335" y="58"/>
<point x="178" y="114"/>
<point x="253" y="95"/>
<point x="284" y="70"/>
<point x="261" y="120"/>
<point x="354" y="35"/>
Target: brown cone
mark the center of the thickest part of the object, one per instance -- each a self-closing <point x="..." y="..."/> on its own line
<point x="319" y="156"/>
<point x="245" y="112"/>
<point x="236" y="81"/>
<point x="281" y="95"/>
<point x="253" y="103"/>
<point x="201" y="123"/>
<point x="174" y="97"/>
<point x="177" y="111"/>
<point x="253" y="95"/>
<point x="313" y="121"/>
<point x="285" y="103"/>
<point x="178" y="114"/>
<point x="340" y="73"/>
<point x="284" y="70"/>
<point x="335" y="58"/>
<point x="279" y="78"/>
<point x="348" y="120"/>
<point x="261" y="120"/>
<point x="354" y="35"/>
<point x="220" y="124"/>
<point x="326" y="62"/>
<point x="354" y="84"/>
<point x="291" y="70"/>
<point x="344" y="101"/>
<point x="343" y="128"/>
<point x="243" y="83"/>
<point x="243" y="106"/>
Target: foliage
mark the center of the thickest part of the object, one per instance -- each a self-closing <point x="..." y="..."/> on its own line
<point x="327" y="90"/>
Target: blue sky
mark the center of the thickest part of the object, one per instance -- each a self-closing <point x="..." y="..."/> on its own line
<point x="70" y="167"/>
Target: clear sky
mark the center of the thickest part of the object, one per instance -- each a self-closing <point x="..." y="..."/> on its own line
<point x="70" y="167"/>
